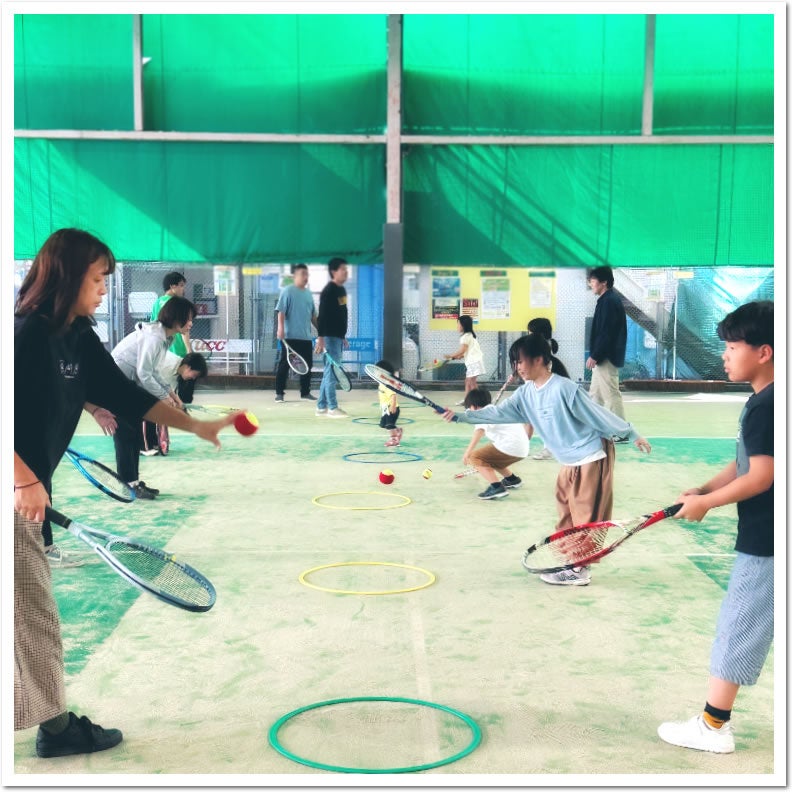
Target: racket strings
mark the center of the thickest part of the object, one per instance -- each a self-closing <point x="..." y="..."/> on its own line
<point x="298" y="365"/>
<point x="106" y="478"/>
<point x="575" y="547"/>
<point x="160" y="572"/>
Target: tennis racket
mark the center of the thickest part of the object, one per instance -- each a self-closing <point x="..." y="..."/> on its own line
<point x="163" y="439"/>
<point x="431" y="365"/>
<point x="585" y="544"/>
<point x="210" y="410"/>
<point x="296" y="362"/>
<point x="341" y="376"/>
<point x="400" y="386"/>
<point x="149" y="568"/>
<point x="503" y="388"/>
<point x="101" y="476"/>
<point x="206" y="348"/>
<point x="471" y="471"/>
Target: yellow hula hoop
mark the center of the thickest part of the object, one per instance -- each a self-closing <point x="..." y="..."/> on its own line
<point x="429" y="575"/>
<point x="404" y="502"/>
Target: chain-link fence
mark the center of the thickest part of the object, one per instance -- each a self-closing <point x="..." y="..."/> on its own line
<point x="672" y="316"/>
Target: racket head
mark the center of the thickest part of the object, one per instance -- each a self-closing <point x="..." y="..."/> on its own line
<point x="296" y="362"/>
<point x="431" y="365"/>
<point x="391" y="381"/>
<point x="206" y="348"/>
<point x="157" y="572"/>
<point x="102" y="477"/>
<point x="342" y="378"/>
<point x="586" y="544"/>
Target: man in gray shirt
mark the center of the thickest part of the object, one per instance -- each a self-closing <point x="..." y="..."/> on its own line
<point x="296" y="314"/>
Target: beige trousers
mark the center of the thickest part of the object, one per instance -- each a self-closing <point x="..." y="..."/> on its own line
<point x="605" y="387"/>
<point x="584" y="493"/>
<point x="39" y="689"/>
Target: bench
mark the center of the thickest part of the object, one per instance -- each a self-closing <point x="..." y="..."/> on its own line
<point x="225" y="351"/>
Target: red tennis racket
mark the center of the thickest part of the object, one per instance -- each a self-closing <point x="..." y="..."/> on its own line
<point x="585" y="544"/>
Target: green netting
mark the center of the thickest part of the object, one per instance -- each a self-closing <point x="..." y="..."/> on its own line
<point x="714" y="74"/>
<point x="530" y="74"/>
<point x="627" y="206"/>
<point x="288" y="73"/>
<point x="73" y="71"/>
<point x="193" y="202"/>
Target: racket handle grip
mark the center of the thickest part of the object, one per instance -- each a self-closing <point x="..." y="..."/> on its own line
<point x="672" y="510"/>
<point x="55" y="516"/>
<point x="442" y="410"/>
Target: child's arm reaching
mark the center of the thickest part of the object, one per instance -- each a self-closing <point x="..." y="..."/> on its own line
<point x="459" y="354"/>
<point x="477" y="435"/>
<point x="727" y="487"/>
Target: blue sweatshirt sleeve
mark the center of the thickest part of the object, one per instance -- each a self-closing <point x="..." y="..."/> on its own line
<point x="602" y="420"/>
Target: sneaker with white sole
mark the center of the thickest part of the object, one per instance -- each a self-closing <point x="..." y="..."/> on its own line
<point x="337" y="412"/>
<point x="279" y="397"/>
<point x="543" y="454"/>
<point x="321" y="410"/>
<point x="511" y="482"/>
<point x="308" y="397"/>
<point x="493" y="491"/>
<point x="579" y="576"/>
<point x="698" y="735"/>
<point x="150" y="452"/>
<point x="57" y="558"/>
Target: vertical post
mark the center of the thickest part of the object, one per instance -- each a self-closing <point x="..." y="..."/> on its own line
<point x="647" y="120"/>
<point x="137" y="72"/>
<point x="393" y="231"/>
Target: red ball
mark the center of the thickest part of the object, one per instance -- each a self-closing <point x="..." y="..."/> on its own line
<point x="386" y="476"/>
<point x="246" y="423"/>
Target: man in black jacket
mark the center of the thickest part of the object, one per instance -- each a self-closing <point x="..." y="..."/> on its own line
<point x="608" y="341"/>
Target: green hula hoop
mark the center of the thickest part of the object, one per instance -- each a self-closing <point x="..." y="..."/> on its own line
<point x="430" y="577"/>
<point x="466" y="719"/>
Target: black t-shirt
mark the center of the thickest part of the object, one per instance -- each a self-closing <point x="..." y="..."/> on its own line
<point x="333" y="318"/>
<point x="54" y="375"/>
<point x="755" y="438"/>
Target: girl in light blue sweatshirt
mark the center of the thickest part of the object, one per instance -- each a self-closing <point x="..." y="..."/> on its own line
<point x="577" y="431"/>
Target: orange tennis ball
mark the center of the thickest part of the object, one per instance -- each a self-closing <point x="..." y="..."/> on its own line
<point x="386" y="476"/>
<point x="246" y="423"/>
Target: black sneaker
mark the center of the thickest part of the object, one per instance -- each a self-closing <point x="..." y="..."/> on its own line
<point x="511" y="482"/>
<point x="80" y="736"/>
<point x="308" y="397"/>
<point x="493" y="491"/>
<point x="142" y="492"/>
<point x="624" y="439"/>
<point x="150" y="489"/>
<point x="279" y="397"/>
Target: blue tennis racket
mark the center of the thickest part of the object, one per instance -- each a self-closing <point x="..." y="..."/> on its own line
<point x="341" y="376"/>
<point x="104" y="479"/>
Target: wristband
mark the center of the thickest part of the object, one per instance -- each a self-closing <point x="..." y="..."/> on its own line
<point x="22" y="486"/>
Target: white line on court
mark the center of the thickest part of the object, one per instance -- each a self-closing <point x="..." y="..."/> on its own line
<point x="423" y="688"/>
<point x="711" y="555"/>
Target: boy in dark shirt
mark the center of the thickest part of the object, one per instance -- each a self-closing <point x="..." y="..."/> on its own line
<point x="744" y="631"/>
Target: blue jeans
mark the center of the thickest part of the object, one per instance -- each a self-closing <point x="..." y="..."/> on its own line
<point x="327" y="390"/>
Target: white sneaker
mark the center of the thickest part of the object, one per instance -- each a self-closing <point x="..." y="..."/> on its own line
<point x="149" y="452"/>
<point x="460" y="403"/>
<point x="543" y="454"/>
<point x="696" y="734"/>
<point x="321" y="410"/>
<point x="568" y="577"/>
<point x="57" y="558"/>
<point x="337" y="412"/>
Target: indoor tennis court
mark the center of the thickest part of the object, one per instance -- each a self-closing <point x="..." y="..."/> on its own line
<point x="560" y="681"/>
<point x="462" y="166"/>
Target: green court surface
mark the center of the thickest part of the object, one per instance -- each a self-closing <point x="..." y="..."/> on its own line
<point x="562" y="681"/>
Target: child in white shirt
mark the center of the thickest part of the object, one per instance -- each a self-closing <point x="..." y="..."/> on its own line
<point x="469" y="351"/>
<point x="509" y="443"/>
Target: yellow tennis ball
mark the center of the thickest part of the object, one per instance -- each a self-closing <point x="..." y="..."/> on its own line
<point x="427" y="474"/>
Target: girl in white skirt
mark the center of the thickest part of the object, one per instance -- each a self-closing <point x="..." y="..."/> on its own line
<point x="469" y="351"/>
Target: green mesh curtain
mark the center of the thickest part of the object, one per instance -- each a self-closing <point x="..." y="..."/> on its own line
<point x="483" y="73"/>
<point x="194" y="202"/>
<point x="523" y="74"/>
<point x="627" y="206"/>
<point x="299" y="73"/>
<point x="73" y="71"/>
